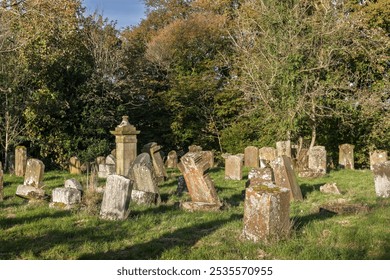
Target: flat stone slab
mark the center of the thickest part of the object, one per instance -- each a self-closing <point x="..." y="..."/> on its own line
<point x="30" y="192"/>
<point x="200" y="206"/>
<point x="142" y="197"/>
<point x="343" y="209"/>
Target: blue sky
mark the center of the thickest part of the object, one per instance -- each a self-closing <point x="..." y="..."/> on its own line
<point x="125" y="12"/>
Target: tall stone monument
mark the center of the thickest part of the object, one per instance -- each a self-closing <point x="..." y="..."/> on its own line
<point x="346" y="159"/>
<point x="126" y="145"/>
<point x="20" y="160"/>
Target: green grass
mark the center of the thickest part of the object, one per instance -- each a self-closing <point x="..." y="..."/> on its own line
<point x="35" y="231"/>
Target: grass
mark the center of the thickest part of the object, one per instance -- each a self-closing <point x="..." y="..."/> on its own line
<point x="35" y="231"/>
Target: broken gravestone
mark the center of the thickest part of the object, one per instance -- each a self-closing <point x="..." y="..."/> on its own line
<point x="67" y="197"/>
<point x="32" y="187"/>
<point x="266" y="213"/>
<point x="382" y="179"/>
<point x="145" y="188"/>
<point x="116" y="198"/>
<point x="200" y="186"/>
<point x="285" y="176"/>
<point x="154" y="152"/>
<point x="233" y="167"/>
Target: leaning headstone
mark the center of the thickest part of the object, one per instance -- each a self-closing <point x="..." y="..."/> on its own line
<point x="1" y="182"/>
<point x="266" y="213"/>
<point x="346" y="158"/>
<point x="32" y="186"/>
<point x="171" y="161"/>
<point x="200" y="186"/>
<point x="251" y="156"/>
<point x="233" y="167"/>
<point x="74" y="165"/>
<point x="376" y="157"/>
<point x="382" y="179"/>
<point x="266" y="155"/>
<point x="260" y="176"/>
<point x="283" y="148"/>
<point x="145" y="187"/>
<point x="317" y="159"/>
<point x="154" y="152"/>
<point x="116" y="198"/>
<point x="20" y="160"/>
<point x="285" y="176"/>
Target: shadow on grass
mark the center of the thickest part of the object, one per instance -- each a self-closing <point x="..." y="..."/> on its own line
<point x="152" y="250"/>
<point x="6" y="223"/>
<point x="308" y="188"/>
<point x="301" y="222"/>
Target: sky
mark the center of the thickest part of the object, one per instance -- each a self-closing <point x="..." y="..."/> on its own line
<point x="124" y="12"/>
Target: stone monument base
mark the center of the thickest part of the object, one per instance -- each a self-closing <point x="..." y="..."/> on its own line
<point x="30" y="192"/>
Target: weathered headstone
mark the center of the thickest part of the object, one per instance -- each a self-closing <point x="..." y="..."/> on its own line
<point x="110" y="166"/>
<point x="194" y="149"/>
<point x="302" y="159"/>
<point x="20" y="160"/>
<point x="251" y="156"/>
<point x="210" y="156"/>
<point x="346" y="158"/>
<point x="145" y="187"/>
<point x="65" y="198"/>
<point x="32" y="186"/>
<point x="266" y="155"/>
<point x="285" y="176"/>
<point x="376" y="157"/>
<point x="266" y="213"/>
<point x="116" y="198"/>
<point x="74" y="165"/>
<point x="154" y="152"/>
<point x="200" y="186"/>
<point x="382" y="179"/>
<point x="171" y="161"/>
<point x="233" y="167"/>
<point x="283" y="148"/>
<point x="126" y="145"/>
<point x="73" y="184"/>
<point x="317" y="159"/>
<point x="260" y="176"/>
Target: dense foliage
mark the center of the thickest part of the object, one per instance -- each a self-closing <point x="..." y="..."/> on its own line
<point x="222" y="74"/>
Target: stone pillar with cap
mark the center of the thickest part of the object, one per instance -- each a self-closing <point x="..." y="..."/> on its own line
<point x="126" y="145"/>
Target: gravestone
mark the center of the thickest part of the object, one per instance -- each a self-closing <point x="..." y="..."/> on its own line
<point x="74" y="165"/>
<point x="251" y="156"/>
<point x="67" y="197"/>
<point x="302" y="160"/>
<point x="260" y="176"/>
<point x="194" y="149"/>
<point x="32" y="186"/>
<point x="266" y="213"/>
<point x="181" y="185"/>
<point x="110" y="166"/>
<point x="154" y="152"/>
<point x="200" y="186"/>
<point x="317" y="159"/>
<point x="210" y="156"/>
<point x="145" y="187"/>
<point x="233" y="167"/>
<point x="376" y="157"/>
<point x="266" y="155"/>
<point x="126" y="146"/>
<point x="285" y="176"/>
<point x="1" y="182"/>
<point x="20" y="160"/>
<point x="382" y="179"/>
<point x="116" y="198"/>
<point x="283" y="148"/>
<point x="346" y="158"/>
<point x="171" y="161"/>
